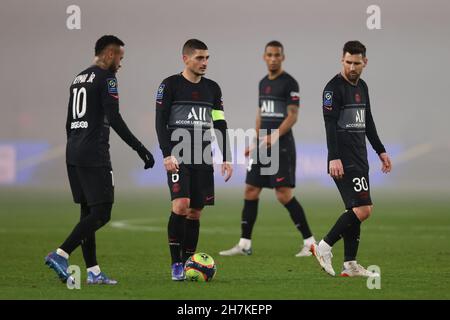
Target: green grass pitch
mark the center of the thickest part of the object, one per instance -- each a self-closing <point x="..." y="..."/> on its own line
<point x="407" y="239"/>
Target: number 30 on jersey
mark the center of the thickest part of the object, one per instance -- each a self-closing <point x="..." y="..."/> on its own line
<point x="360" y="184"/>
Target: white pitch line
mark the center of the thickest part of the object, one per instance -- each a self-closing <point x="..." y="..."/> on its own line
<point x="126" y="226"/>
<point x="130" y="225"/>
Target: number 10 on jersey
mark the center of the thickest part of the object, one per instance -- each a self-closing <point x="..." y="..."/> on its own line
<point x="78" y="102"/>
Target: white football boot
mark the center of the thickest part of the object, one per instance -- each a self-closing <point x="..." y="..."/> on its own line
<point x="236" y="250"/>
<point x="305" y="251"/>
<point x="324" y="258"/>
<point x="353" y="269"/>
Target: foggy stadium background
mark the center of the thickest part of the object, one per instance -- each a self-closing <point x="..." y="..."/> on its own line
<point x="407" y="76"/>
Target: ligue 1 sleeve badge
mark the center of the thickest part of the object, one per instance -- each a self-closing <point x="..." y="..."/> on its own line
<point x="328" y="98"/>
<point x="112" y="85"/>
<point x="160" y="92"/>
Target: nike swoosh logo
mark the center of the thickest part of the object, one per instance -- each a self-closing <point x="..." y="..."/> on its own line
<point x="280" y="179"/>
<point x="209" y="198"/>
<point x="328" y="108"/>
<point x="159" y="102"/>
<point x="114" y="96"/>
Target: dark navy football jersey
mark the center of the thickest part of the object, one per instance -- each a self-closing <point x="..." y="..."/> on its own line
<point x="348" y="107"/>
<point x="274" y="97"/>
<point x="190" y="106"/>
<point x="91" y="93"/>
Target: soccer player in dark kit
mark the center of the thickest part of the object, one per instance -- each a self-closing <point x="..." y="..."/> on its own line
<point x="189" y="105"/>
<point x="93" y="109"/>
<point x="348" y="121"/>
<point x="279" y="102"/>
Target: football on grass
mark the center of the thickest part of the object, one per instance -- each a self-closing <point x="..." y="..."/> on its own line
<point x="200" y="267"/>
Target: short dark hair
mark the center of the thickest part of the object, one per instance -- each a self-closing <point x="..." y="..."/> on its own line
<point x="105" y="41"/>
<point x="354" y="47"/>
<point x="193" y="44"/>
<point x="274" y="43"/>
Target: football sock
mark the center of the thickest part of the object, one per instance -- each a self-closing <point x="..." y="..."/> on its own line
<point x="88" y="244"/>
<point x="347" y="263"/>
<point x="175" y="230"/>
<point x="351" y="239"/>
<point x="62" y="253"/>
<point x="98" y="217"/>
<point x="309" y="241"/>
<point x="323" y="246"/>
<point x="94" y="269"/>
<point x="191" y="232"/>
<point x="298" y="217"/>
<point x="249" y="214"/>
<point x="245" y="243"/>
<point x="345" y="221"/>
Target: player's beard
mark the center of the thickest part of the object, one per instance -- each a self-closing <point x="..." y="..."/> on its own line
<point x="353" y="76"/>
<point x="113" y="68"/>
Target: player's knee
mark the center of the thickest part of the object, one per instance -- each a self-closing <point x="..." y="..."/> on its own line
<point x="252" y="192"/>
<point x="283" y="196"/>
<point x="106" y="218"/>
<point x="181" y="206"/>
<point x="363" y="212"/>
<point x="102" y="213"/>
<point x="194" y="214"/>
<point x="369" y="210"/>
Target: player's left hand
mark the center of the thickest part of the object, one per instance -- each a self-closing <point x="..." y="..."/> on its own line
<point x="227" y="170"/>
<point x="147" y="157"/>
<point x="386" y="166"/>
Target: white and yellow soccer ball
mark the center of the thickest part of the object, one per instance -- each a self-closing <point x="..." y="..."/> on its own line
<point x="200" y="267"/>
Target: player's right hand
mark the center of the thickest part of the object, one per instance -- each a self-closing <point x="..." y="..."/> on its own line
<point x="171" y="164"/>
<point x="336" y="169"/>
<point x="147" y="157"/>
<point x="386" y="164"/>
